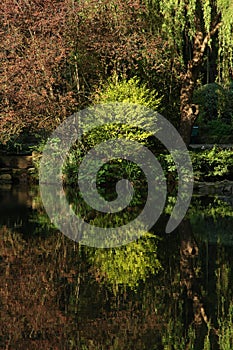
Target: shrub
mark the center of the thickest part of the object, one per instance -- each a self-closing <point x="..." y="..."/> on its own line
<point x="215" y="118"/>
<point x="214" y="164"/>
<point x="123" y="91"/>
<point x="210" y="98"/>
<point x="127" y="91"/>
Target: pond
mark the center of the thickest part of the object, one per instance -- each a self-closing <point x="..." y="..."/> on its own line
<point x="163" y="291"/>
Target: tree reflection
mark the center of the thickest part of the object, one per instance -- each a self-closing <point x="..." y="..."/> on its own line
<point x="160" y="292"/>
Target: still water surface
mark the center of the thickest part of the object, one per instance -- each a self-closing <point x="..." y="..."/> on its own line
<point x="162" y="292"/>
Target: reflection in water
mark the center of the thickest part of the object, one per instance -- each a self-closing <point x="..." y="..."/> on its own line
<point x="16" y="205"/>
<point x="161" y="292"/>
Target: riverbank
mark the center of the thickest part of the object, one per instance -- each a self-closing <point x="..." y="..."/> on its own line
<point x="17" y="168"/>
<point x="224" y="188"/>
<point x="212" y="168"/>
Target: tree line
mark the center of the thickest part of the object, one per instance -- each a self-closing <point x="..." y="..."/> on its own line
<point x="55" y="56"/>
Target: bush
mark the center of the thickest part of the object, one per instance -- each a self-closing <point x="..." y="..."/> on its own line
<point x="218" y="131"/>
<point x="215" y="118"/>
<point x="210" y="98"/>
<point x="123" y="91"/>
<point x="208" y="165"/>
<point x="127" y="91"/>
<point x="214" y="164"/>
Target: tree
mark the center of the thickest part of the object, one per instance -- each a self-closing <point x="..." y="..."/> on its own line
<point x="189" y="26"/>
<point x="34" y="54"/>
<point x="54" y="53"/>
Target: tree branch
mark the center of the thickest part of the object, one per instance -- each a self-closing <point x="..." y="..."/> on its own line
<point x="215" y="27"/>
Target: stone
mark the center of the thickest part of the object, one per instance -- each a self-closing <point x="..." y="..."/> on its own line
<point x="15" y="161"/>
<point x="5" y="170"/>
<point x="5" y="178"/>
<point x="5" y="186"/>
<point x="31" y="171"/>
<point x="228" y="189"/>
<point x="224" y="187"/>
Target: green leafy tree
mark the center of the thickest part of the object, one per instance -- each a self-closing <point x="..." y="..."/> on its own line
<point x="189" y="27"/>
<point x="128" y="93"/>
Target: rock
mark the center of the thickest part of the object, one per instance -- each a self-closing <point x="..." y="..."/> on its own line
<point x="224" y="187"/>
<point x="228" y="189"/>
<point x="5" y="186"/>
<point x="19" y="162"/>
<point x="5" y="178"/>
<point x="31" y="171"/>
<point x="5" y="170"/>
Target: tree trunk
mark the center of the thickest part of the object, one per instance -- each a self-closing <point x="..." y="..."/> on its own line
<point x="189" y="111"/>
<point x="194" y="308"/>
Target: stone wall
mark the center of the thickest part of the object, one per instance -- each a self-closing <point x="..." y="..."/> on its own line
<point x="224" y="187"/>
<point x="16" y="168"/>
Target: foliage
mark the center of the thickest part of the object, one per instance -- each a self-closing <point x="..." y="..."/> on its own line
<point x="73" y="290"/>
<point x="208" y="164"/>
<point x="183" y="21"/>
<point x="212" y="164"/>
<point x="209" y="97"/>
<point x="226" y="329"/>
<point x="129" y="265"/>
<point x="172" y="339"/>
<point x="216" y="131"/>
<point x="37" y="151"/>
<point x="212" y="220"/>
<point x="215" y="118"/>
<point x="189" y="27"/>
<point x="228" y="101"/>
<point x="129" y="92"/>
<point x="35" y="93"/>
<point x="25" y="142"/>
<point x="53" y="55"/>
<point x="216" y="209"/>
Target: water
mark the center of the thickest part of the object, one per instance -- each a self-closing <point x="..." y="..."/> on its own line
<point x="162" y="292"/>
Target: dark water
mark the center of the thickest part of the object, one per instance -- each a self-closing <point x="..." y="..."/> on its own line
<point x="161" y="292"/>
